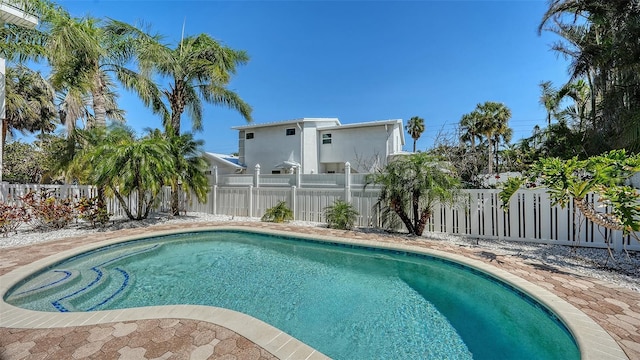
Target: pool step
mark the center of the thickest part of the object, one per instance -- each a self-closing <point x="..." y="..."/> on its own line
<point x="54" y="281"/>
<point x="101" y="284"/>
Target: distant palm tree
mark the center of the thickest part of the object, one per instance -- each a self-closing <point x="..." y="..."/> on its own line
<point x="494" y="119"/>
<point x="470" y="126"/>
<point x="198" y="68"/>
<point x="550" y="99"/>
<point x="415" y="128"/>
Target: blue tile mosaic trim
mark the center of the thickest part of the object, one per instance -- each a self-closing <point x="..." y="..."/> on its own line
<point x="99" y="273"/>
<point x="122" y="287"/>
<point x="67" y="274"/>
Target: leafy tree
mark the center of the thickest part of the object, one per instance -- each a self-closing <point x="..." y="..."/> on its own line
<point x="415" y="128"/>
<point x="412" y="185"/>
<point x="341" y="215"/>
<point x="22" y="163"/>
<point x="198" y="68"/>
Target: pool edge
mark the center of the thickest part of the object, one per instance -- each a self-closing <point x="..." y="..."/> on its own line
<point x="592" y="340"/>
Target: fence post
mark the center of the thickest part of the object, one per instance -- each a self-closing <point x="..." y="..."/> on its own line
<point x="250" y="201"/>
<point x="293" y="201"/>
<point x="347" y="182"/>
<point x="298" y="168"/>
<point x="214" y="172"/>
<point x="256" y="176"/>
<point x="215" y="200"/>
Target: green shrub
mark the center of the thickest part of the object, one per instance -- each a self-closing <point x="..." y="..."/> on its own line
<point x="88" y="210"/>
<point x="278" y="214"/>
<point x="340" y="215"/>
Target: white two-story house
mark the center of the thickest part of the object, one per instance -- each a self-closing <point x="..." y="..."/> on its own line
<point x="318" y="145"/>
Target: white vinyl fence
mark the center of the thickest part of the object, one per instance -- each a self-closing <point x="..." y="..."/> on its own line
<point x="530" y="216"/>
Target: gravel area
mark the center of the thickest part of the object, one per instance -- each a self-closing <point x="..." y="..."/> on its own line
<point x="625" y="271"/>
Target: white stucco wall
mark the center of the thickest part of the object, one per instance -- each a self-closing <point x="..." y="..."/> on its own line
<point x="360" y="146"/>
<point x="271" y="146"/>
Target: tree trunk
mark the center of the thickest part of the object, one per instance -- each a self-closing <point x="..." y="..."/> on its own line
<point x="397" y="207"/>
<point x="490" y="155"/>
<point x="123" y="204"/>
<point x="424" y="217"/>
<point x="175" y="201"/>
<point x="99" y="110"/>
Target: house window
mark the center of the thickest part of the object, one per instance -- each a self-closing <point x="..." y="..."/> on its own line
<point x="249" y="136"/>
<point x="275" y="172"/>
<point x="326" y="138"/>
<point x="291" y="131"/>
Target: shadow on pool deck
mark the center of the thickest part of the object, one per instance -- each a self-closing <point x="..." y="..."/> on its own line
<point x="615" y="309"/>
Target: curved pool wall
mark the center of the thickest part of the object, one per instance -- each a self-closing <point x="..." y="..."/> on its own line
<point x="592" y="340"/>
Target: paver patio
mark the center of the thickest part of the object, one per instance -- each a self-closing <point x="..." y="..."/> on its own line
<point x="614" y="308"/>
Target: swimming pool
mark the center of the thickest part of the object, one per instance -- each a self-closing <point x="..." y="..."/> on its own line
<point x="346" y="301"/>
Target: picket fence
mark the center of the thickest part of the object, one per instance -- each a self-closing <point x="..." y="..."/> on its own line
<point x="479" y="214"/>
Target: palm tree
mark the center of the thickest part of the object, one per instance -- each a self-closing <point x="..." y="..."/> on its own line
<point x="415" y="182"/>
<point x="550" y="99"/>
<point x="29" y="102"/>
<point x="198" y="68"/>
<point x="82" y="52"/>
<point x="493" y="121"/>
<point x="415" y="128"/>
<point x="470" y="127"/>
<point x="129" y="166"/>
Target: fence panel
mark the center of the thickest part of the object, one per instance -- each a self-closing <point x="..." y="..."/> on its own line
<point x="310" y="203"/>
<point x="530" y="216"/>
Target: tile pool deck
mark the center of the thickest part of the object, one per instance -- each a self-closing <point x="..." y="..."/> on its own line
<point x="180" y="332"/>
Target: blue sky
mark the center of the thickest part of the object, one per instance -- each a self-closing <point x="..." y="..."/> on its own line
<point x="359" y="60"/>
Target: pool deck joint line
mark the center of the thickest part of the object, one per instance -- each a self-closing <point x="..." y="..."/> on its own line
<point x="593" y="341"/>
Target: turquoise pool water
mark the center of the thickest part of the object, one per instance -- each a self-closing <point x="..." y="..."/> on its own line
<point x="349" y="303"/>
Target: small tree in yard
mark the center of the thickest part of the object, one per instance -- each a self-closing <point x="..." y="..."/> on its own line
<point x="412" y="185"/>
<point x="340" y="215"/>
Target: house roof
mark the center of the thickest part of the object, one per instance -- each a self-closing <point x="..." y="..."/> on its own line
<point x="365" y="124"/>
<point x="334" y="121"/>
<point x="229" y="160"/>
<point x="15" y="14"/>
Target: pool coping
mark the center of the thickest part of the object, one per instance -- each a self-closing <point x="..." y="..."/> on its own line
<point x="593" y="341"/>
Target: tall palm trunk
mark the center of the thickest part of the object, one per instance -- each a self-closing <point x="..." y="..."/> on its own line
<point x="177" y="108"/>
<point x="99" y="108"/>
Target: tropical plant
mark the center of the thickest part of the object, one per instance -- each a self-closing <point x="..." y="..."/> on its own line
<point x="415" y="128"/>
<point x="341" y="215"/>
<point x="569" y="182"/>
<point x="198" y="69"/>
<point x="278" y="214"/>
<point x="411" y="186"/>
<point x="82" y="53"/>
<point x="129" y="166"/>
<point x="29" y="102"/>
<point x="600" y="38"/>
